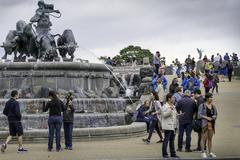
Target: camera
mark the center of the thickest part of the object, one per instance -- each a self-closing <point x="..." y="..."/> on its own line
<point x="69" y="97"/>
<point x="49" y="6"/>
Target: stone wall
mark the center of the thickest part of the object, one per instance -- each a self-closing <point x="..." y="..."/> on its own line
<point x="88" y="113"/>
<point x="236" y="71"/>
<point x="32" y="78"/>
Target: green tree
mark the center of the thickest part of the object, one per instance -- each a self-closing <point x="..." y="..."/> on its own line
<point x="136" y="52"/>
<point x="118" y="59"/>
<point x="103" y="58"/>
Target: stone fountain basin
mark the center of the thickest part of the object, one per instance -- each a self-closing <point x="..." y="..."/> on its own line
<point x="86" y="120"/>
<point x="97" y="112"/>
<point x="89" y="105"/>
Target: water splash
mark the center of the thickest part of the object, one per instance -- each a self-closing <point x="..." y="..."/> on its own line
<point x="114" y="75"/>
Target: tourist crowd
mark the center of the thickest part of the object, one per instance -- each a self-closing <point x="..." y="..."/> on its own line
<point x="181" y="107"/>
<point x="177" y="109"/>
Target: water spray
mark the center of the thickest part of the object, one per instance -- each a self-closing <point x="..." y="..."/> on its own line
<point x="107" y="68"/>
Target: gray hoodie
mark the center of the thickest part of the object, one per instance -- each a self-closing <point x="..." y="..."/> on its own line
<point x="202" y="111"/>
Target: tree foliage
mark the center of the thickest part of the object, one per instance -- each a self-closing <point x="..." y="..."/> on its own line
<point x="103" y="58"/>
<point x="135" y="52"/>
<point x="118" y="59"/>
<point x="129" y="54"/>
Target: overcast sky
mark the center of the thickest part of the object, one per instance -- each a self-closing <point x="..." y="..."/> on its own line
<point x="103" y="27"/>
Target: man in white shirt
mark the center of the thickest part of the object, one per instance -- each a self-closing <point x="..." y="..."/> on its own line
<point x="217" y="58"/>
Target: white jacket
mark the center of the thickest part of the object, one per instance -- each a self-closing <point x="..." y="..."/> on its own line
<point x="169" y="118"/>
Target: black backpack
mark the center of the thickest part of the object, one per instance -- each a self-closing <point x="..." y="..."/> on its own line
<point x="197" y="123"/>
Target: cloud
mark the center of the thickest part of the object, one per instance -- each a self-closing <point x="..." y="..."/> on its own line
<point x="106" y="26"/>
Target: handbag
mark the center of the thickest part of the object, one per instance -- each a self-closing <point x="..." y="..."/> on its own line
<point x="197" y="125"/>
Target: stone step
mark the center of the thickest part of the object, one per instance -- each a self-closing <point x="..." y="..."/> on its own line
<point x="87" y="134"/>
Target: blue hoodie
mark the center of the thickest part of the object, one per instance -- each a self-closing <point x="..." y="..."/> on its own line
<point x="164" y="82"/>
<point x="154" y="82"/>
<point x="184" y="83"/>
<point x="12" y="110"/>
<point x="197" y="83"/>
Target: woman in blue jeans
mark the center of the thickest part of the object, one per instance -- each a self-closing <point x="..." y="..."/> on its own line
<point x="55" y="107"/>
<point x="169" y="125"/>
<point x="154" y="115"/>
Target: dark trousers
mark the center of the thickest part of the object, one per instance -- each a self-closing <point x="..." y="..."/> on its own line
<point x="54" y="125"/>
<point x="199" y="141"/>
<point x="68" y="129"/>
<point x="188" y="128"/>
<point x="157" y="68"/>
<point x="154" y="125"/>
<point x="169" y="136"/>
<point x="215" y="85"/>
<point x="229" y="75"/>
<point x="207" y="90"/>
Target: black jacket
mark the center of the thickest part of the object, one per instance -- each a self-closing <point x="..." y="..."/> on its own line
<point x="12" y="110"/>
<point x="68" y="114"/>
<point x="172" y="88"/>
<point x="187" y="106"/>
<point x="55" y="107"/>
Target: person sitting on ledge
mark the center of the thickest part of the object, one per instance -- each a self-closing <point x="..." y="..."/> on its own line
<point x="142" y="116"/>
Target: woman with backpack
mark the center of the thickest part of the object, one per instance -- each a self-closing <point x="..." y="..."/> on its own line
<point x="68" y="118"/>
<point x="155" y="116"/>
<point x="208" y="114"/>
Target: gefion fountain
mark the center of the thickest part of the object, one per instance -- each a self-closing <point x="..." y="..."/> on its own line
<point x="37" y="68"/>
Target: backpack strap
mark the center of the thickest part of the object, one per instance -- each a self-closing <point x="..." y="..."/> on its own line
<point x="204" y="107"/>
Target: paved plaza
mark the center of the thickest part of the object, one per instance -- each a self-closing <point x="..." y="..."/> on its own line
<point x="225" y="141"/>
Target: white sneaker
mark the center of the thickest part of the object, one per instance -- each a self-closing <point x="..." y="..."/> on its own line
<point x="204" y="155"/>
<point x="212" y="155"/>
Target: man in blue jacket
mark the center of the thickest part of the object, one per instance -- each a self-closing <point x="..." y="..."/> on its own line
<point x="12" y="111"/>
<point x="164" y="82"/>
<point x="186" y="107"/>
